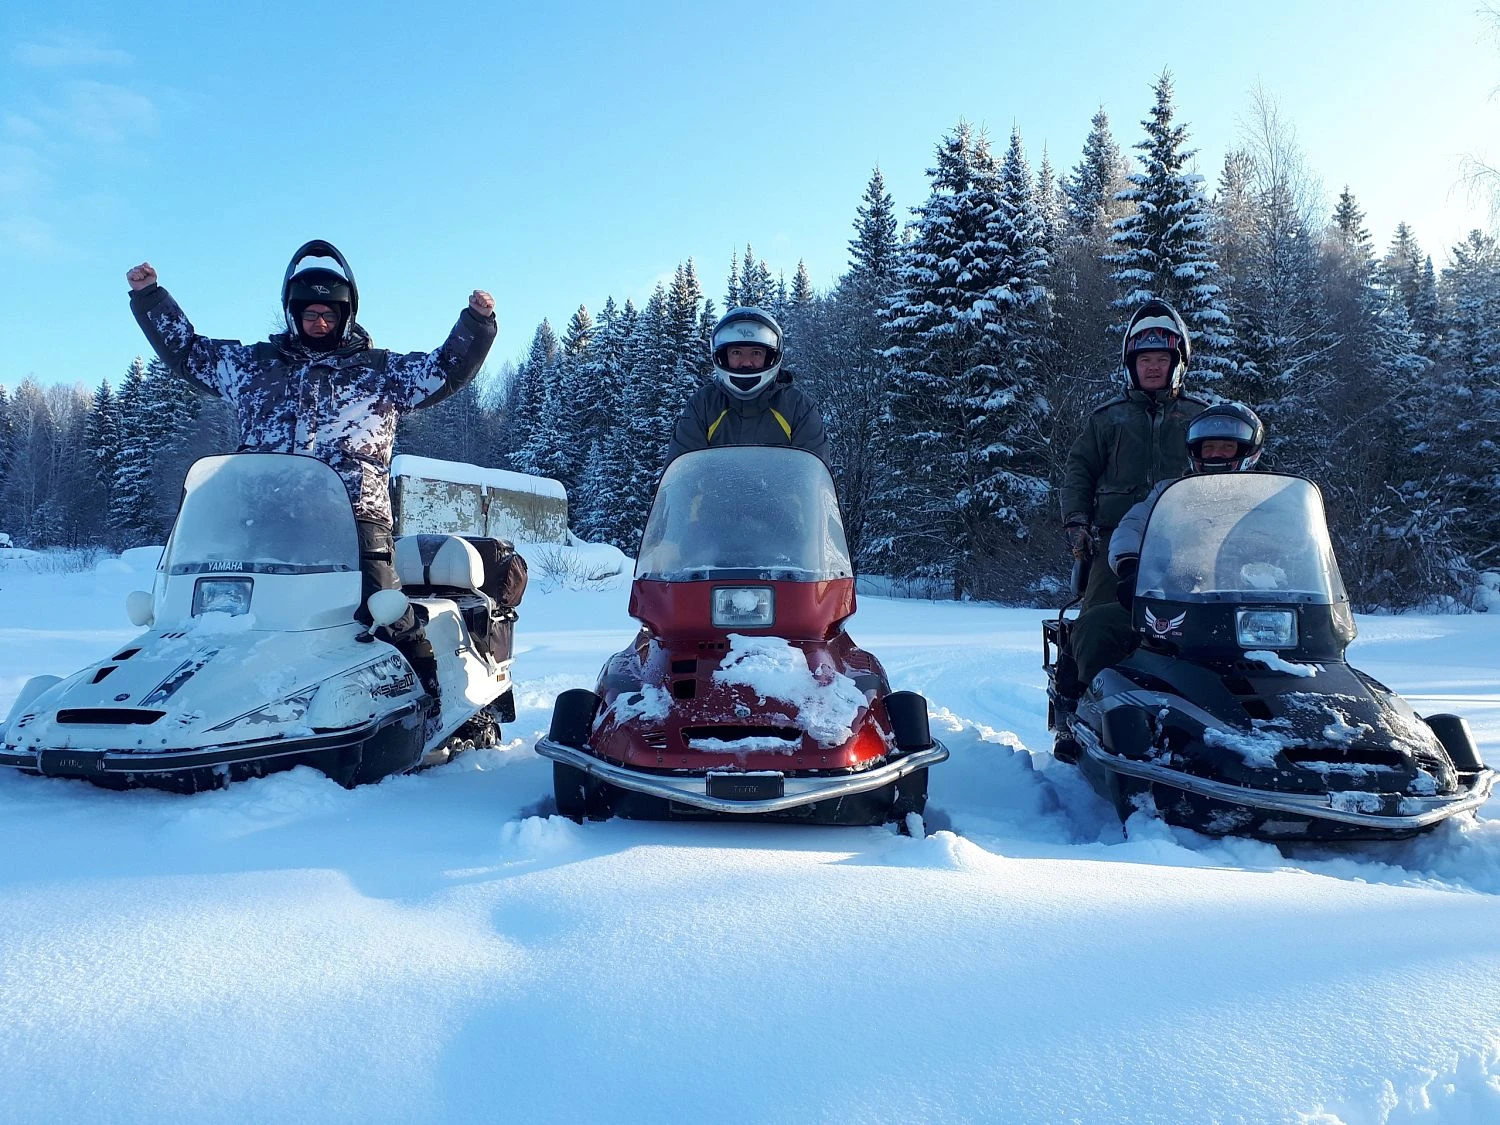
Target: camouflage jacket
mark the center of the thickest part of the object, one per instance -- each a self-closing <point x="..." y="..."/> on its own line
<point x="779" y="415"/>
<point x="1126" y="446"/>
<point x="340" y="406"/>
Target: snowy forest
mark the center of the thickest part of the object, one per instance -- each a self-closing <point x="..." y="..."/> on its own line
<point x="954" y="362"/>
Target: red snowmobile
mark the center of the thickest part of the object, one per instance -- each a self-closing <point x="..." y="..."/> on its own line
<point x="742" y="695"/>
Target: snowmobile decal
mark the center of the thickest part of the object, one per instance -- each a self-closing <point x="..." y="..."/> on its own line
<point x="180" y="675"/>
<point x="1164" y="626"/>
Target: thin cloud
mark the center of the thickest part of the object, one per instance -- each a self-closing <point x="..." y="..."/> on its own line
<point x="22" y="173"/>
<point x="22" y="127"/>
<point x="102" y="113"/>
<point x="30" y="236"/>
<point x="67" y="51"/>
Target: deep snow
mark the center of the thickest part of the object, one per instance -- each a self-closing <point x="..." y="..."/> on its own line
<point x="437" y="948"/>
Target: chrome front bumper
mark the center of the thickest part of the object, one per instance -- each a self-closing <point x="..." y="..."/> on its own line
<point x="689" y="789"/>
<point x="1425" y="811"/>
<point x="88" y="762"/>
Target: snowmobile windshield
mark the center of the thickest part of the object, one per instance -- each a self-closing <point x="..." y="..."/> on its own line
<point x="1239" y="537"/>
<point x="745" y="512"/>
<point x="263" y="513"/>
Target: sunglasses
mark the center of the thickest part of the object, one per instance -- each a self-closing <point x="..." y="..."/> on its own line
<point x="326" y="317"/>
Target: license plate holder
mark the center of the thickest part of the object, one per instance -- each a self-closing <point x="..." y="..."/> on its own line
<point x="70" y="763"/>
<point x="760" y="786"/>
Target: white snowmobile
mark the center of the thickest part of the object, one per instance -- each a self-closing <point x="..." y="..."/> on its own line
<point x="252" y="660"/>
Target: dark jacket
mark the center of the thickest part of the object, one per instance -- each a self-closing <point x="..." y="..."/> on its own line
<point x="339" y="406"/>
<point x="779" y="415"/>
<point x="1128" y="444"/>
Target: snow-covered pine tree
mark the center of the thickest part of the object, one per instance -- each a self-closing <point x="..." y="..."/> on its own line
<point x="5" y="438"/>
<point x="132" y="517"/>
<point x="172" y="410"/>
<point x="1408" y="271"/>
<point x="527" y="396"/>
<point x="1016" y="483"/>
<point x="947" y="382"/>
<point x="1284" y="336"/>
<point x="593" y="412"/>
<point x="756" y="285"/>
<point x="1426" y="318"/>
<point x="848" y="380"/>
<point x="802" y="291"/>
<point x="102" y="448"/>
<point x="1465" y="433"/>
<point x="559" y="437"/>
<point x="610" y="474"/>
<point x="687" y="353"/>
<point x="74" y="495"/>
<point x="1091" y="192"/>
<point x="1162" y="250"/>
<point x="1082" y="360"/>
<point x="1375" y="362"/>
<point x="732" y="285"/>
<point x="27" y="487"/>
<point x="1050" y="207"/>
<point x="649" y="366"/>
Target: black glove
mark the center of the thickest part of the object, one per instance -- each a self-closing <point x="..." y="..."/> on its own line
<point x="1125" y="587"/>
<point x="1080" y="540"/>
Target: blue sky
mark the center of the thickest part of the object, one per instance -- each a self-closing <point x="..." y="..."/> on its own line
<point x="557" y="154"/>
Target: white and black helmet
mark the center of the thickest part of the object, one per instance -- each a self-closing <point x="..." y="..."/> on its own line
<point x="1155" y="326"/>
<point x="1227" y="421"/>
<point x="741" y="327"/>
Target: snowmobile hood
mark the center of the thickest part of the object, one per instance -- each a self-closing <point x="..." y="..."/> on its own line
<point x="758" y="702"/>
<point x="177" y="690"/>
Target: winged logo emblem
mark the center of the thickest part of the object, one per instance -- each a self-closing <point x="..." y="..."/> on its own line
<point x="1165" y="626"/>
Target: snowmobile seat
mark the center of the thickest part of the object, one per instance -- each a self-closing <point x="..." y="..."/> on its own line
<point x="449" y="567"/>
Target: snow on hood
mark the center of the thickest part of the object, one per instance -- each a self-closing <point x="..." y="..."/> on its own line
<point x="1258" y="747"/>
<point x="774" y="669"/>
<point x="1278" y="664"/>
<point x="651" y="704"/>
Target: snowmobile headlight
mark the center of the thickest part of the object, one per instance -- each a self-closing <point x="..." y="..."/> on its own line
<point x="288" y="710"/>
<point x="1266" y="628"/>
<point x="222" y="595"/>
<point x="744" y="607"/>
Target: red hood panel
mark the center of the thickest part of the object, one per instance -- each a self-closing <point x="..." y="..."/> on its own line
<point x="664" y="707"/>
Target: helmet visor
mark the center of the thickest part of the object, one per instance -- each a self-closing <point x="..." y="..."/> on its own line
<point x="746" y="332"/>
<point x="1154" y="339"/>
<point x="1222" y="427"/>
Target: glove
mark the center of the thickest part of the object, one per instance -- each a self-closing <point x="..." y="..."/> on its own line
<point x="1125" y="587"/>
<point x="1080" y="540"/>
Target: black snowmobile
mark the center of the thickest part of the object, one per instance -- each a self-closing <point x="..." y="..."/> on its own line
<point x="1237" y="713"/>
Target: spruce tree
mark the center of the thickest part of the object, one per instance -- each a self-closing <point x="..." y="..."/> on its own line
<point x="942" y="398"/>
<point x="872" y="250"/>
<point x="102" y="449"/>
<point x="1162" y="250"/>
<point x="527" y="398"/>
<point x="132" y="517"/>
<point x="1091" y="191"/>
<point x="1461" y="437"/>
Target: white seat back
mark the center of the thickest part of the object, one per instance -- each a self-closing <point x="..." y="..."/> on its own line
<point x="438" y="560"/>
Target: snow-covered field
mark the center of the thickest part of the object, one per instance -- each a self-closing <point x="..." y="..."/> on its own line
<point x="437" y="948"/>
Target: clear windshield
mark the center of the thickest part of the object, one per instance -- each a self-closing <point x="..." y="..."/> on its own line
<point x="1239" y="537"/>
<point x="745" y="512"/>
<point x="263" y="513"/>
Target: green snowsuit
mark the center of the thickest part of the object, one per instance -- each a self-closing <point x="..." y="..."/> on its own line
<point x="1127" y="446"/>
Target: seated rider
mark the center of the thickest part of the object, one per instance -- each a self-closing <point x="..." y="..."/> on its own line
<point x="750" y="400"/>
<point x="1226" y="438"/>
